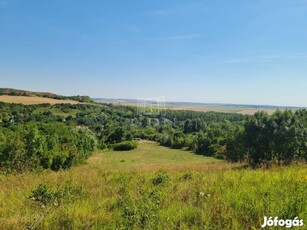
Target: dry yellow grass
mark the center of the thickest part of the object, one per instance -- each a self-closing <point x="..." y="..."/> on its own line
<point x="203" y="108"/>
<point x="223" y="109"/>
<point x="34" y="100"/>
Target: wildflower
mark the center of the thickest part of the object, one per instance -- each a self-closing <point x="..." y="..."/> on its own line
<point x="202" y="194"/>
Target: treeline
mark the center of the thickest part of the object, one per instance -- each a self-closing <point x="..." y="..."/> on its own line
<point x="17" y="92"/>
<point x="84" y="99"/>
<point x="265" y="139"/>
<point x="258" y="140"/>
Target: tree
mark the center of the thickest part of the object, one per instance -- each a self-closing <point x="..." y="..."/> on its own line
<point x="284" y="136"/>
<point x="302" y="134"/>
<point x="13" y="155"/>
<point x="258" y="139"/>
<point x="236" y="150"/>
<point x="36" y="143"/>
<point x="120" y="134"/>
<point x="203" y="143"/>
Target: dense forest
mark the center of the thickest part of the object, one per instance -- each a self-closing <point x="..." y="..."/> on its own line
<point x="60" y="136"/>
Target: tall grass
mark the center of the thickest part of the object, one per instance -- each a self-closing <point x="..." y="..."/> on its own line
<point x="150" y="198"/>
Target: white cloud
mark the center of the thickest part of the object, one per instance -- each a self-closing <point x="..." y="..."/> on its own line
<point x="162" y="12"/>
<point x="179" y="37"/>
<point x="132" y="28"/>
<point x="268" y="59"/>
<point x="183" y="8"/>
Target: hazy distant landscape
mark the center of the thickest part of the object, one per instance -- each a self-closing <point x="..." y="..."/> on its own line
<point x="198" y="107"/>
<point x="206" y="107"/>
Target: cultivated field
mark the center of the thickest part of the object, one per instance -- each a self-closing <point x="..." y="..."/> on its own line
<point x="224" y="109"/>
<point x="34" y="100"/>
<point x="198" y="107"/>
<point x="152" y="187"/>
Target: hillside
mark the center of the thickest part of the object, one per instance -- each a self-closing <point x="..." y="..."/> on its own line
<point x="34" y="100"/>
<point x="26" y="93"/>
<point x="18" y="92"/>
<point x="128" y="190"/>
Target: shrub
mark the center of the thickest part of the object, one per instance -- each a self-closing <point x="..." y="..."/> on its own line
<point x="45" y="195"/>
<point x="125" y="146"/>
<point x="160" y="178"/>
<point x="186" y="176"/>
<point x="50" y="146"/>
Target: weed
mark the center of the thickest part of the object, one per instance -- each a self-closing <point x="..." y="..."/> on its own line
<point x="160" y="178"/>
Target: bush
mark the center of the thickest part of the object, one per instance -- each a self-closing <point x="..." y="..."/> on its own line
<point x="43" y="195"/>
<point x="46" y="195"/>
<point x="125" y="146"/>
<point x="186" y="176"/>
<point x="160" y="178"/>
<point x="50" y="146"/>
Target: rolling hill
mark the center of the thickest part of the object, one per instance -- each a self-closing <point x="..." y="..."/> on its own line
<point x="26" y="97"/>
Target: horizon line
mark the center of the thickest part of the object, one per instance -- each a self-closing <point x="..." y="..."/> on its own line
<point x="211" y="103"/>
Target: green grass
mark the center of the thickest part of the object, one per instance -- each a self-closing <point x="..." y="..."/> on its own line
<point x="153" y="187"/>
<point x="150" y="154"/>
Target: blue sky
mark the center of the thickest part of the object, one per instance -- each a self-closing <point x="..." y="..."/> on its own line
<point x="239" y="51"/>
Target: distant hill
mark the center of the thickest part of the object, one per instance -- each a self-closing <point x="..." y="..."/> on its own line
<point x="9" y="95"/>
<point x="204" y="107"/>
<point x="26" y="93"/>
<point x="18" y="92"/>
<point x="34" y="100"/>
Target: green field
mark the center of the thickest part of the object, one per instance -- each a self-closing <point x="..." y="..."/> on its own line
<point x="152" y="187"/>
<point x="150" y="155"/>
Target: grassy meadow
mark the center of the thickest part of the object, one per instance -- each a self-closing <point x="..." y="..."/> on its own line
<point x="153" y="187"/>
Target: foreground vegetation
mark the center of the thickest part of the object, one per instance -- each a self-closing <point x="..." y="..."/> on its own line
<point x="161" y="191"/>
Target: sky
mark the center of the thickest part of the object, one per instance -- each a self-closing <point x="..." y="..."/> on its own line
<point x="211" y="51"/>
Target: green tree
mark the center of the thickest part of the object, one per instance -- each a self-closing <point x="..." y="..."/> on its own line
<point x="13" y="155"/>
<point x="258" y="139"/>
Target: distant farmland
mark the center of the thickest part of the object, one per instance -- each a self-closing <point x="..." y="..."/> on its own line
<point x="34" y="100"/>
<point x="204" y="107"/>
<point x="225" y="109"/>
<point x="199" y="107"/>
